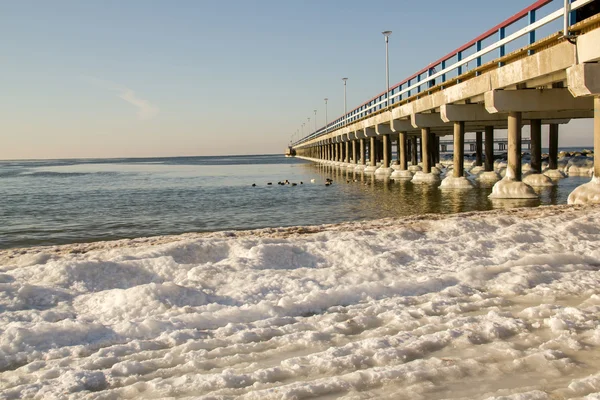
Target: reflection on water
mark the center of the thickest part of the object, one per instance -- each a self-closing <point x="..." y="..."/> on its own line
<point x="376" y="197"/>
<point x="58" y="201"/>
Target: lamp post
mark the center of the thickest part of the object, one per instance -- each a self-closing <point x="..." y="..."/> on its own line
<point x="308" y="124"/>
<point x="326" y="122"/>
<point x="315" y="120"/>
<point x="345" y="109"/>
<point x="387" y="34"/>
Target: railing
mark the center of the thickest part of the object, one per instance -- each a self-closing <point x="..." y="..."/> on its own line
<point x="428" y="76"/>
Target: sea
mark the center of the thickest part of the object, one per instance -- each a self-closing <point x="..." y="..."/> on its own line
<point x="50" y="202"/>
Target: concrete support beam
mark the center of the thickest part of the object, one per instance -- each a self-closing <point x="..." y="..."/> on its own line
<point x="489" y="148"/>
<point x="383" y="129"/>
<point x="476" y="114"/>
<point x="514" y="145"/>
<point x="587" y="47"/>
<point x="478" y="149"/>
<point x="459" y="149"/>
<point x="584" y="79"/>
<point x="369" y="132"/>
<point x="425" y="135"/>
<point x="465" y="112"/>
<point x="534" y="100"/>
<point x="432" y="120"/>
<point x="401" y="125"/>
<point x="536" y="146"/>
<point x="553" y="147"/>
<point x="354" y="155"/>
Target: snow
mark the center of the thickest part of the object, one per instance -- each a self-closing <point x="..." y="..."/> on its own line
<point x="493" y="305"/>
<point x="488" y="177"/>
<point x="451" y="182"/>
<point x="384" y="171"/>
<point x="575" y="170"/>
<point x="508" y="188"/>
<point x="537" y="180"/>
<point x="587" y="193"/>
<point x="476" y="170"/>
<point x="422" y="177"/>
<point x="554" y="174"/>
<point x="400" y="174"/>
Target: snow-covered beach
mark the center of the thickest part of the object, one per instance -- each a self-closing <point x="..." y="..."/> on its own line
<point x="502" y="304"/>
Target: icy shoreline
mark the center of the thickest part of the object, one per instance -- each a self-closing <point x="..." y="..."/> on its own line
<point x="478" y="305"/>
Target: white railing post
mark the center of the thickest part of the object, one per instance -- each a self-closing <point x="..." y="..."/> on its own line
<point x="567" y="11"/>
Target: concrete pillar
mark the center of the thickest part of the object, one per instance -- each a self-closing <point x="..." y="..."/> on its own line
<point x="478" y="149"/>
<point x="402" y="151"/>
<point x="386" y="150"/>
<point x="514" y="145"/>
<point x="589" y="193"/>
<point x="354" y="158"/>
<point x="553" y="147"/>
<point x="436" y="149"/>
<point x="347" y="152"/>
<point x="425" y="136"/>
<point x="363" y="159"/>
<point x="372" y="152"/>
<point x="398" y="149"/>
<point x="596" y="136"/>
<point x="459" y="149"/>
<point x="413" y="150"/>
<point x="431" y="149"/>
<point x="536" y="146"/>
<point x="489" y="148"/>
<point x="340" y="152"/>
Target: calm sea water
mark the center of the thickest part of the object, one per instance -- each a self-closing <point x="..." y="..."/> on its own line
<point x="65" y="201"/>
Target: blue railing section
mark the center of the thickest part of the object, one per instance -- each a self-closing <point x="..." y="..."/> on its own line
<point x="453" y="64"/>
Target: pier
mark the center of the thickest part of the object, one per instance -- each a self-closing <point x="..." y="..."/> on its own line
<point x="548" y="81"/>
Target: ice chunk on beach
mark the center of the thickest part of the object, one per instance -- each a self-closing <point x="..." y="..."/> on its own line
<point x="493" y="305"/>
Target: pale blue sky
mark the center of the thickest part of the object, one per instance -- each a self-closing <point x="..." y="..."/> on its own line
<point x="168" y="78"/>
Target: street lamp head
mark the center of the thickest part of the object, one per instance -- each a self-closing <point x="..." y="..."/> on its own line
<point x="344" y="79"/>
<point x="326" y="99"/>
<point x="386" y="33"/>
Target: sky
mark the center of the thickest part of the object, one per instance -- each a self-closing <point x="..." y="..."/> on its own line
<point x="144" y="78"/>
